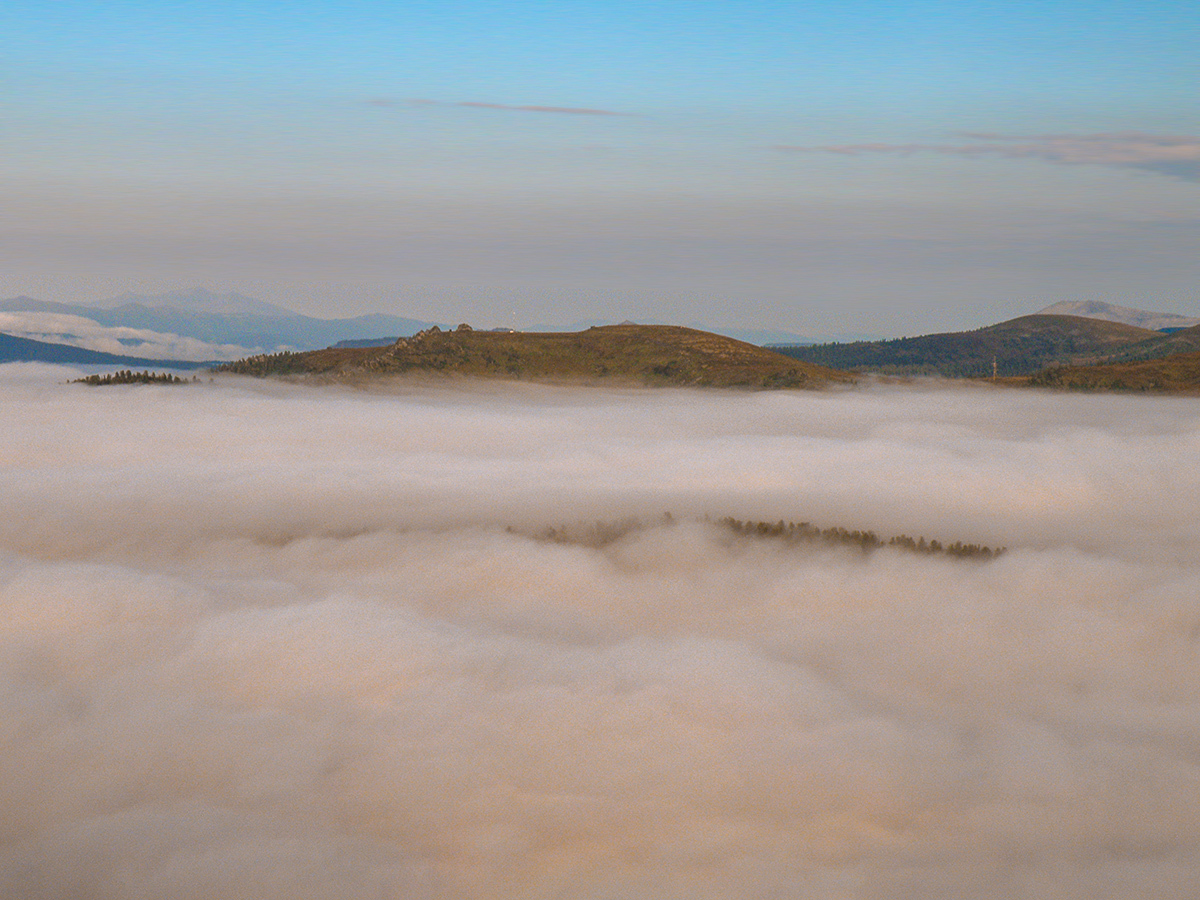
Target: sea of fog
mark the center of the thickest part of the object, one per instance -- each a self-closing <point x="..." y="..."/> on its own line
<point x="263" y="641"/>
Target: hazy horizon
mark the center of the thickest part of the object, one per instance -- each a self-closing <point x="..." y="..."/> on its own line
<point x="866" y="167"/>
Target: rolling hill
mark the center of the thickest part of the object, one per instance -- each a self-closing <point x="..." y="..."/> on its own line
<point x="1176" y="374"/>
<point x="1109" y="312"/>
<point x="1019" y="346"/>
<point x="630" y="354"/>
<point x="1186" y="340"/>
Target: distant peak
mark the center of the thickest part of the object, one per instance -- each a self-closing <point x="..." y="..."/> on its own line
<point x="1109" y="312"/>
<point x="204" y="300"/>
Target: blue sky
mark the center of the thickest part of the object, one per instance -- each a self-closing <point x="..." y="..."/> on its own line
<point x="819" y="167"/>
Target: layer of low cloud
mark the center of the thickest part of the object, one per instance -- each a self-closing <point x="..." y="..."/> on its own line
<point x="1174" y="155"/>
<point x="280" y="641"/>
<point x="77" y="331"/>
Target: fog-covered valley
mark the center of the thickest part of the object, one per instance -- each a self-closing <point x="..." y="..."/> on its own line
<point x="261" y="640"/>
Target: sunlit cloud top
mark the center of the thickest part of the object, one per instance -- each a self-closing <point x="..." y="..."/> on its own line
<point x="297" y="641"/>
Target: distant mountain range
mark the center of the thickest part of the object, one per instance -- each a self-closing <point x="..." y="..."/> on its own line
<point x="1094" y="309"/>
<point x="201" y="324"/>
<point x="218" y="326"/>
<point x="202" y="300"/>
<point x="183" y="329"/>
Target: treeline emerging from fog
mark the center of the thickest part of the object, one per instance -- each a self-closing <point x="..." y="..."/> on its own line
<point x="599" y="534"/>
<point x="805" y="532"/>
<point x="125" y="376"/>
<point x="285" y="362"/>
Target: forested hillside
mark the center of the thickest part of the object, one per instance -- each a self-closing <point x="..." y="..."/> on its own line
<point x="1018" y="347"/>
<point x="1177" y="374"/>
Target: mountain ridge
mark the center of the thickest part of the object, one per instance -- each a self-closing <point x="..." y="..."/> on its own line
<point x="203" y="300"/>
<point x="253" y="331"/>
<point x="1110" y="312"/>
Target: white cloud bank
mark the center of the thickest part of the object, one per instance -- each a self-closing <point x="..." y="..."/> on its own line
<point x="266" y="641"/>
<point x="76" y="331"/>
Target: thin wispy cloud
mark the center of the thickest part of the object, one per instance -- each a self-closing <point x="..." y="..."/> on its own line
<point x="507" y="107"/>
<point x="1173" y="155"/>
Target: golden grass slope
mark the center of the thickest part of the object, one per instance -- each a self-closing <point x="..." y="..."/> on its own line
<point x="631" y="354"/>
<point x="1176" y="374"/>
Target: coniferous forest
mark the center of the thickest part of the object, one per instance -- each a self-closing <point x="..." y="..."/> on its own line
<point x="598" y="534"/>
<point x="125" y="376"/>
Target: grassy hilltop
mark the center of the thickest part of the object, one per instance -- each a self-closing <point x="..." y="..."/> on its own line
<point x="630" y="354"/>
